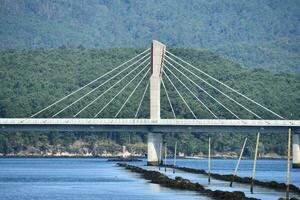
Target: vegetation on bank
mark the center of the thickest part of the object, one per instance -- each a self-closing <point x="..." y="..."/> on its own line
<point x="33" y="79"/>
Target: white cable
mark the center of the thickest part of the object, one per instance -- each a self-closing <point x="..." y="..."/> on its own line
<point x="218" y="90"/>
<point x="201" y="102"/>
<point x="109" y="89"/>
<point x="169" y="100"/>
<point x="204" y="90"/>
<point x="122" y="89"/>
<point x="237" y="92"/>
<point x="132" y="93"/>
<point x="97" y="87"/>
<point x="88" y="84"/>
<point x="180" y="95"/>
<point x="138" y="109"/>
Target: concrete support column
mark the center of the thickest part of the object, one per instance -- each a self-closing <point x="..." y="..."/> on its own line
<point x="154" y="141"/>
<point x="157" y="57"/>
<point x="296" y="151"/>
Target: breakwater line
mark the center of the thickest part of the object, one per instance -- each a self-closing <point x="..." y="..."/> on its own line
<point x="238" y="179"/>
<point x="184" y="184"/>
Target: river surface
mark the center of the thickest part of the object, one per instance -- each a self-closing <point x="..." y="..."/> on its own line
<point x="89" y="179"/>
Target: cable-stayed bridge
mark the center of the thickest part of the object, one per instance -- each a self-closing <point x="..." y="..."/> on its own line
<point x="151" y="71"/>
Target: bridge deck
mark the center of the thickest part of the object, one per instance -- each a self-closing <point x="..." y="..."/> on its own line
<point x="146" y="125"/>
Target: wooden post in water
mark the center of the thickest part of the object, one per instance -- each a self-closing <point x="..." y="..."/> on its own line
<point x="160" y="156"/>
<point x="209" y="160"/>
<point x="166" y="149"/>
<point x="288" y="174"/>
<point x="238" y="163"/>
<point x="174" y="164"/>
<point x="254" y="163"/>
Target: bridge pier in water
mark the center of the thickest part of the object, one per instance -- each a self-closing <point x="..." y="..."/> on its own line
<point x="296" y="151"/>
<point x="154" y="141"/>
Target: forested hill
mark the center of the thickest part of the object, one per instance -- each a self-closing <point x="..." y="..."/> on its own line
<point x="32" y="79"/>
<point x="256" y="33"/>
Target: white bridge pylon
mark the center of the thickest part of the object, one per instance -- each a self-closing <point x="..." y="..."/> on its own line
<point x="155" y="68"/>
<point x="155" y="139"/>
<point x="157" y="59"/>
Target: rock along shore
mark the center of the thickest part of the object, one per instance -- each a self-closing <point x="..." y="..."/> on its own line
<point x="184" y="184"/>
<point x="238" y="179"/>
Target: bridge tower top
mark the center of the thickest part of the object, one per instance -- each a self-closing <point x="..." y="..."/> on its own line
<point x="157" y="58"/>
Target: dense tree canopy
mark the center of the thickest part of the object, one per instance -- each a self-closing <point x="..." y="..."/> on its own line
<point x="257" y="33"/>
<point x="32" y="79"/>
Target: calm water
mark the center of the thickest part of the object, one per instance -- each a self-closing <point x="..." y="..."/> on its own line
<point x="52" y="179"/>
<point x="88" y="179"/>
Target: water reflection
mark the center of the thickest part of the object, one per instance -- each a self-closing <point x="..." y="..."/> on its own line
<point x="154" y="187"/>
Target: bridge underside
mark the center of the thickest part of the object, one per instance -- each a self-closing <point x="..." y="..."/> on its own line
<point x="147" y="125"/>
<point x="147" y="128"/>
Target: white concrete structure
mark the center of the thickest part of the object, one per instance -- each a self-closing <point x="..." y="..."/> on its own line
<point x="149" y="125"/>
<point x="157" y="57"/>
<point x="296" y="151"/>
<point x="154" y="139"/>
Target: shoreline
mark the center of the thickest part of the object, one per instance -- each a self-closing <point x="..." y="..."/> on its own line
<point x="71" y="157"/>
<point x="138" y="157"/>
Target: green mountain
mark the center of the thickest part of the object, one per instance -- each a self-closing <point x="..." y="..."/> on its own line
<point x="279" y="55"/>
<point x="256" y="33"/>
<point x="33" y="79"/>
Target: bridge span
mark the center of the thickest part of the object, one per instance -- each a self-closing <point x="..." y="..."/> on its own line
<point x="149" y="125"/>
